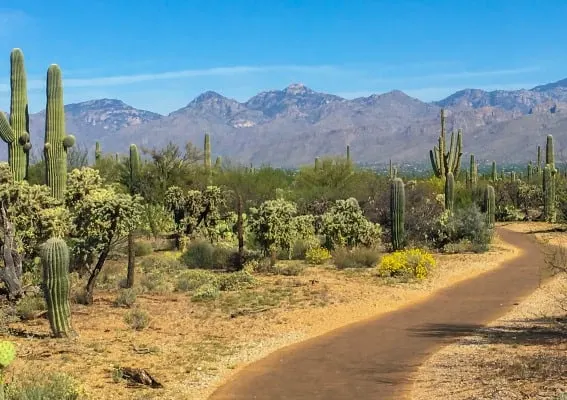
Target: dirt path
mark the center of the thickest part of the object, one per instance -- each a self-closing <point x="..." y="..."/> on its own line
<point x="375" y="359"/>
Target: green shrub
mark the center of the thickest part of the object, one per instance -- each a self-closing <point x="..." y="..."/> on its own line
<point x="29" y="306"/>
<point x="357" y="257"/>
<point x="156" y="282"/>
<point x="414" y="263"/>
<point x="302" y="246"/>
<point x="160" y="262"/>
<point x="142" y="248"/>
<point x="137" y="319"/>
<point x="293" y="268"/>
<point x="462" y="246"/>
<point x="202" y="254"/>
<point x="205" y="292"/>
<point x="235" y="280"/>
<point x="193" y="279"/>
<point x="126" y="298"/>
<point x="58" y="386"/>
<point x="317" y="255"/>
<point x="467" y="224"/>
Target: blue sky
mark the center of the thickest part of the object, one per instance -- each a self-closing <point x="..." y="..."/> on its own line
<point x="160" y="54"/>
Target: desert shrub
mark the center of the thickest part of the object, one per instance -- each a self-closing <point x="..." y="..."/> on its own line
<point x="29" y="306"/>
<point x="156" y="282"/>
<point x="192" y="279"/>
<point x="205" y="292"/>
<point x="462" y="246"/>
<point x="34" y="386"/>
<point x="142" y="248"/>
<point x="317" y="255"/>
<point x="292" y="268"/>
<point x="467" y="223"/>
<point x="301" y="246"/>
<point x="126" y="298"/>
<point x="235" y="280"/>
<point x="160" y="262"/>
<point x="358" y="257"/>
<point x="345" y="225"/>
<point x="202" y="254"/>
<point x="137" y="319"/>
<point x="412" y="263"/>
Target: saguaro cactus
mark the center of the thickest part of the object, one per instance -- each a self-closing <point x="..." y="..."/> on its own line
<point x="56" y="141"/>
<point x="348" y="154"/>
<point x="317" y="164"/>
<point x="449" y="191"/>
<point x="16" y="131"/>
<point x="135" y="168"/>
<point x="55" y="262"/>
<point x="530" y="170"/>
<point x="207" y="159"/>
<point x="446" y="160"/>
<point x="539" y="169"/>
<point x="489" y="206"/>
<point x="218" y="163"/>
<point x="549" y="193"/>
<point x="98" y="152"/>
<point x="549" y="154"/>
<point x="494" y="174"/>
<point x="397" y="211"/>
<point x="472" y="176"/>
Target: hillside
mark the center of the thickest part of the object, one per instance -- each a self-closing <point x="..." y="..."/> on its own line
<point x="292" y="126"/>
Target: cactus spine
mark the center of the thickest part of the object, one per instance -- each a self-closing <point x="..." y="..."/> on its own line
<point x="397" y="211"/>
<point x="55" y="262"/>
<point x="56" y="141"/>
<point x="446" y="160"/>
<point x="490" y="206"/>
<point x="449" y="191"/>
<point x="16" y="131"/>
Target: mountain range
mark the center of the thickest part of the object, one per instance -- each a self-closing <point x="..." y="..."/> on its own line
<point x="292" y="126"/>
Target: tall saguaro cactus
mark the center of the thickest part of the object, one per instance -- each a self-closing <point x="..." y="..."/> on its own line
<point x="494" y="172"/>
<point x="55" y="262"/>
<point x="207" y="158"/>
<point x="549" y="193"/>
<point x="449" y="191"/>
<point x="472" y="176"/>
<point x="134" y="175"/>
<point x="98" y="152"/>
<point x="16" y="131"/>
<point x="57" y="142"/>
<point x="489" y="206"/>
<point x="397" y="213"/>
<point x="445" y="160"/>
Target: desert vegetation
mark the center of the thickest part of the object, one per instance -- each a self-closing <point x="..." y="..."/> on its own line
<point x="130" y="235"/>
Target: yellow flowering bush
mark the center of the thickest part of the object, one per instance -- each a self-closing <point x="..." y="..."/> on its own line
<point x="416" y="263"/>
<point x="317" y="255"/>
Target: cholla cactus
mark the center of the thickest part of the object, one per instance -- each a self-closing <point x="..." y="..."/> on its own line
<point x="7" y="353"/>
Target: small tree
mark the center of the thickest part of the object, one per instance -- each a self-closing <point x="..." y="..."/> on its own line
<point x="99" y="217"/>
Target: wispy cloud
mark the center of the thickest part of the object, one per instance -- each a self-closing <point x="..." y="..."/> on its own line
<point x="118" y="80"/>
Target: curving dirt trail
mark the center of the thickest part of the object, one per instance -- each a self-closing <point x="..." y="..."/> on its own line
<point x="375" y="359"/>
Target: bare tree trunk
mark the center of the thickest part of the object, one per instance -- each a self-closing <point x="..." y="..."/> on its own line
<point x="12" y="272"/>
<point x="89" y="290"/>
<point x="131" y="261"/>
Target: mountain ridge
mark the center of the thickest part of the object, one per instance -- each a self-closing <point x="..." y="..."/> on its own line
<point x="293" y="125"/>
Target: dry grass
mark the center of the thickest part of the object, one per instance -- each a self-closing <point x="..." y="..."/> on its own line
<point x="192" y="347"/>
<point x="522" y="355"/>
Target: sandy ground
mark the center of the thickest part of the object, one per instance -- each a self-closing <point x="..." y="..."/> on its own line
<point x="519" y="356"/>
<point x="192" y="348"/>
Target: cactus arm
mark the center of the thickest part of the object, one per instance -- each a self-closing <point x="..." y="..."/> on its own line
<point x="451" y="154"/>
<point x="434" y="164"/>
<point x="458" y="153"/>
<point x="6" y="132"/>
